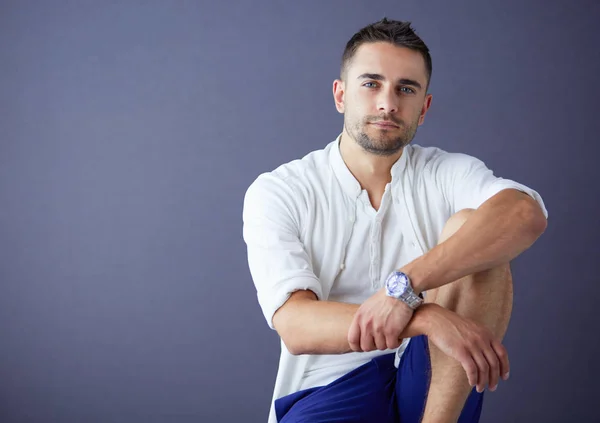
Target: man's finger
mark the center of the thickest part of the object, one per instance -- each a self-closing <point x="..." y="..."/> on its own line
<point x="470" y="367"/>
<point x="366" y="340"/>
<point x="503" y="357"/>
<point x="367" y="343"/>
<point x="392" y="342"/>
<point x="354" y="336"/>
<point x="483" y="370"/>
<point x="494" y="363"/>
<point x="380" y="341"/>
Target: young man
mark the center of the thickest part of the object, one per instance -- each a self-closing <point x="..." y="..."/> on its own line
<point x="384" y="266"/>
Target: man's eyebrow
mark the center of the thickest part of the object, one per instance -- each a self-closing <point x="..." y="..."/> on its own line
<point x="374" y="76"/>
<point x="406" y="81"/>
<point x="379" y="77"/>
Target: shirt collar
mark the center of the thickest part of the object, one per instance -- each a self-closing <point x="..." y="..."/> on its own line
<point x="348" y="182"/>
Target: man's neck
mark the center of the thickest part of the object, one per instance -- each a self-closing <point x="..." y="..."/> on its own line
<point x="372" y="172"/>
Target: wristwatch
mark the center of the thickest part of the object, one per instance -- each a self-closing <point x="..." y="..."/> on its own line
<point x="397" y="285"/>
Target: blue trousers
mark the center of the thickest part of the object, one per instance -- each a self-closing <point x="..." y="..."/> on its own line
<point x="375" y="392"/>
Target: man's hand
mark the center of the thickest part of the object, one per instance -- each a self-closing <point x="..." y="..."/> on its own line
<point x="474" y="346"/>
<point x="378" y="323"/>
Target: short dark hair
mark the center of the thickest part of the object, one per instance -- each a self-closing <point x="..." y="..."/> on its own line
<point x="397" y="33"/>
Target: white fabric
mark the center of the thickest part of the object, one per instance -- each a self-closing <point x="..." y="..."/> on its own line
<point x="309" y="225"/>
<point x="374" y="232"/>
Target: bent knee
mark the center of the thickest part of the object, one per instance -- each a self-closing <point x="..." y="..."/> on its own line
<point x="455" y="222"/>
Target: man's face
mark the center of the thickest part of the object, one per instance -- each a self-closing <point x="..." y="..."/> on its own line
<point x="383" y="97"/>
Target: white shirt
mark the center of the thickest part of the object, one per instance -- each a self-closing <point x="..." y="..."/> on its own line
<point x="309" y="225"/>
<point x="375" y="248"/>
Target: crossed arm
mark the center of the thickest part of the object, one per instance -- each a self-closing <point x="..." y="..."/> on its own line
<point x="499" y="230"/>
<point x="309" y="326"/>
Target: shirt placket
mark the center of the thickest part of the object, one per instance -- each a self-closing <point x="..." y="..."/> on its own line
<point x="375" y="251"/>
<point x="376" y="238"/>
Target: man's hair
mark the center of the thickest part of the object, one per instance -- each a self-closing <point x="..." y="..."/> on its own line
<point x="397" y="33"/>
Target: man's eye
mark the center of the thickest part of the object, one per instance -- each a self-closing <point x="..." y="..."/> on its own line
<point x="370" y="84"/>
<point x="407" y="90"/>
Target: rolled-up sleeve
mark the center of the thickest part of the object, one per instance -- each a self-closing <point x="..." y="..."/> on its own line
<point x="466" y="182"/>
<point x="278" y="262"/>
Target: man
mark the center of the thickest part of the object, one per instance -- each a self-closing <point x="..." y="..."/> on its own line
<point x="384" y="266"/>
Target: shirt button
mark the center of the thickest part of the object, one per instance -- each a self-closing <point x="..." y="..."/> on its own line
<point x="412" y="243"/>
<point x="342" y="266"/>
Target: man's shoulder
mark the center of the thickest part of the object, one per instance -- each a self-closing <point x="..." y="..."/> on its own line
<point x="431" y="157"/>
<point x="297" y="179"/>
<point x="314" y="162"/>
<point x="308" y="170"/>
<point x="423" y="154"/>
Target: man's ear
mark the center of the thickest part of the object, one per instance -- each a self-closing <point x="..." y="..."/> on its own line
<point x="338" y="95"/>
<point x="426" y="106"/>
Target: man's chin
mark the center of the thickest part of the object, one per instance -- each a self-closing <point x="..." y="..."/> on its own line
<point x="381" y="149"/>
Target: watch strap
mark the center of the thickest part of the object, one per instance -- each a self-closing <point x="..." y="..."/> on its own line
<point x="411" y="299"/>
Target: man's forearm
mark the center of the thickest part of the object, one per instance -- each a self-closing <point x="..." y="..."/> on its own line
<point x="498" y="231"/>
<point x="321" y="327"/>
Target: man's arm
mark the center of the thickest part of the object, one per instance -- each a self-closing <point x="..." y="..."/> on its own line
<point x="309" y="326"/>
<point x="499" y="230"/>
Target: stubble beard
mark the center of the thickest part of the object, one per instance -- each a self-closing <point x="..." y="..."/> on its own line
<point x="384" y="143"/>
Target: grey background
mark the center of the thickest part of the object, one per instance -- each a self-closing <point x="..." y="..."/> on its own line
<point x="129" y="132"/>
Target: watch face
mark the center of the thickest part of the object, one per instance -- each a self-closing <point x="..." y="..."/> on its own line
<point x="397" y="283"/>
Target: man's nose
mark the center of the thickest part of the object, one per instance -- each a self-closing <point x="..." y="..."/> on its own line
<point x="388" y="101"/>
